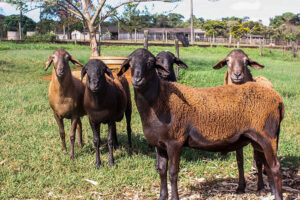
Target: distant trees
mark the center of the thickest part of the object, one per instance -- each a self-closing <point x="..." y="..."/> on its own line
<point x="12" y="23"/>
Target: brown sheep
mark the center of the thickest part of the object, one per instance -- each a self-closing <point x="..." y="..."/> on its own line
<point x="174" y="115"/>
<point x="238" y="73"/>
<point x="105" y="100"/>
<point x="66" y="96"/>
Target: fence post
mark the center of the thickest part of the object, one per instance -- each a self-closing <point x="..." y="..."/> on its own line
<point x="146" y="39"/>
<point x="177" y="55"/>
<point x="260" y="48"/>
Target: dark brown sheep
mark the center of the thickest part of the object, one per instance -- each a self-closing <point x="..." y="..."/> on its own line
<point x="66" y="96"/>
<point x="168" y="59"/>
<point x="105" y="100"/>
<point x="238" y="73"/>
<point x="174" y="115"/>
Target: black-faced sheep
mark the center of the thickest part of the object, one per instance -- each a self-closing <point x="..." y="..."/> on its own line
<point x="168" y="59"/>
<point x="238" y="73"/>
<point x="105" y="100"/>
<point x="219" y="119"/>
<point x="66" y="96"/>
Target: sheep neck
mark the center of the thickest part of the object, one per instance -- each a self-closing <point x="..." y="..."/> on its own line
<point x="63" y="84"/>
<point x="97" y="95"/>
<point x="149" y="94"/>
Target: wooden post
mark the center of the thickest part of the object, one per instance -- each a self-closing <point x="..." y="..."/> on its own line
<point x="146" y="39"/>
<point x="177" y="55"/>
<point x="294" y="49"/>
<point x="166" y="37"/>
<point x="260" y="48"/>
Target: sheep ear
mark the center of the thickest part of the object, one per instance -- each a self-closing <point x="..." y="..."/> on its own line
<point x="220" y="64"/>
<point x="124" y="67"/>
<point x="180" y="63"/>
<point x="109" y="73"/>
<point x="75" y="61"/>
<point x="160" y="65"/>
<point x="48" y="63"/>
<point x="83" y="72"/>
<point x="255" y="64"/>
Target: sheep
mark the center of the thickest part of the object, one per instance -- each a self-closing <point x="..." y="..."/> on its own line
<point x="174" y="115"/>
<point x="168" y="59"/>
<point x="238" y="73"/>
<point x="105" y="100"/>
<point x="66" y="96"/>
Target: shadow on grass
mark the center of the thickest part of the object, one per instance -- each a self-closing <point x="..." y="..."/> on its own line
<point x="226" y="187"/>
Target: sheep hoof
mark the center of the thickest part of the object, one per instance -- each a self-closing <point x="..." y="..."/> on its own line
<point x="97" y="165"/>
<point x="111" y="163"/>
<point x="261" y="192"/>
<point x="240" y="190"/>
<point x="80" y="145"/>
<point x="72" y="157"/>
<point x="163" y="197"/>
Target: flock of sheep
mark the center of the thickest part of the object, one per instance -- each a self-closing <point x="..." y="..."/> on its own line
<point x="219" y="119"/>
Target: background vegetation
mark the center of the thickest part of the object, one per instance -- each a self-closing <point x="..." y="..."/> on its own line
<point x="32" y="165"/>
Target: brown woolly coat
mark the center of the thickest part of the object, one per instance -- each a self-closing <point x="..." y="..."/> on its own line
<point x="66" y="97"/>
<point x="259" y="79"/>
<point x="112" y="102"/>
<point x="216" y="114"/>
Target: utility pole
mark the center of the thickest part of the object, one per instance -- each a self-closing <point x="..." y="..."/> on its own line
<point x="192" y="24"/>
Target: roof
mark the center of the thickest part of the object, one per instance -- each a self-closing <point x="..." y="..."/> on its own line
<point x="173" y="30"/>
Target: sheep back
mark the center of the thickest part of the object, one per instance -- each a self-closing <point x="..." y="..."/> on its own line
<point x="217" y="113"/>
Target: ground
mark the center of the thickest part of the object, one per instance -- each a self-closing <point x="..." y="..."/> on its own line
<point x="33" y="166"/>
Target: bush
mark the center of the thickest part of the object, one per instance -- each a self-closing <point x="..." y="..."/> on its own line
<point x="48" y="37"/>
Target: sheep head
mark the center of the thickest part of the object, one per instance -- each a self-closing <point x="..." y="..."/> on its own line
<point x="237" y="62"/>
<point x="168" y="59"/>
<point x="60" y="59"/>
<point x="95" y="70"/>
<point x="143" y="65"/>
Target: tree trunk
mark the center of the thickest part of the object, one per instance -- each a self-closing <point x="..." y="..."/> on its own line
<point x="93" y="41"/>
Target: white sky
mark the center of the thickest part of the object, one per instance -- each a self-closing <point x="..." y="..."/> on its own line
<point x="255" y="9"/>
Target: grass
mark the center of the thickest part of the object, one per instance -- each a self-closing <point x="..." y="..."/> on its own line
<point x="32" y="164"/>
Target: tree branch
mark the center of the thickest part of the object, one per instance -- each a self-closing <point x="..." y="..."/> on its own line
<point x="101" y="4"/>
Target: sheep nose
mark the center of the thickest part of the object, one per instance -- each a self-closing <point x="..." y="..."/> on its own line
<point x="137" y="79"/>
<point x="237" y="74"/>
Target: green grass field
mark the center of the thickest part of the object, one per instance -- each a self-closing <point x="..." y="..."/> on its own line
<point x="33" y="166"/>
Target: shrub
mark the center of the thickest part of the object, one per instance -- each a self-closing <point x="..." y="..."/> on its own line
<point x="48" y="37"/>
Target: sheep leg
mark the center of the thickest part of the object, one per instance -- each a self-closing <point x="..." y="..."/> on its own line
<point x="114" y="136"/>
<point x="273" y="164"/>
<point x="62" y="134"/>
<point x="96" y="133"/>
<point x="111" y="130"/>
<point x="259" y="159"/>
<point x="240" y="162"/>
<point x="174" y="153"/>
<point x="74" y="122"/>
<point x="79" y="132"/>
<point x="128" y="122"/>
<point x="161" y="168"/>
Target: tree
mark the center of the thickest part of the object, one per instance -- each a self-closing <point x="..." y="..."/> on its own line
<point x="214" y="28"/>
<point x="12" y="23"/>
<point x="130" y="18"/>
<point x="175" y="20"/>
<point x="93" y="13"/>
<point x="238" y="31"/>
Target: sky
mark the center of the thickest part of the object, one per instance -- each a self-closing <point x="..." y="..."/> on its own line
<point x="255" y="9"/>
